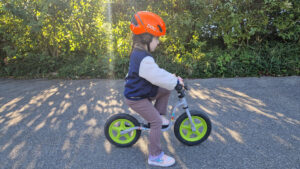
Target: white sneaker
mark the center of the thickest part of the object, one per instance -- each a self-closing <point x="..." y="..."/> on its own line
<point x="165" y="121"/>
<point x="164" y="161"/>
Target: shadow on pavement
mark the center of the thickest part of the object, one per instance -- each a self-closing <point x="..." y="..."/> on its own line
<point x="59" y="124"/>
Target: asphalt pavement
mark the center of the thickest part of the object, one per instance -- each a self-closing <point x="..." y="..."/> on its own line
<point x="58" y="124"/>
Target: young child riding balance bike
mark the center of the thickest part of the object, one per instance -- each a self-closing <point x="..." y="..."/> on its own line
<point x="147" y="82"/>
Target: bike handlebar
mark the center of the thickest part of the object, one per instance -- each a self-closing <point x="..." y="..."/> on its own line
<point x="181" y="90"/>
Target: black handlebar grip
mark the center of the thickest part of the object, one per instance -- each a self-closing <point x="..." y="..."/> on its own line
<point x="186" y="87"/>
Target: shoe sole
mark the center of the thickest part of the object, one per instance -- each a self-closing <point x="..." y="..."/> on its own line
<point x="159" y="165"/>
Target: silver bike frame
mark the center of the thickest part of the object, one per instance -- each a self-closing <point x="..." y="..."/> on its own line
<point x="182" y="102"/>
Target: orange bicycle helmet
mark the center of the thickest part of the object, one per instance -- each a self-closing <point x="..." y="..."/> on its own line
<point x="147" y="22"/>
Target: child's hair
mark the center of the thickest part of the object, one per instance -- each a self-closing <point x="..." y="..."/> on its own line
<point x="141" y="40"/>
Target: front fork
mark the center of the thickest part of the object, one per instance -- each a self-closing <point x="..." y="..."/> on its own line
<point x="182" y="102"/>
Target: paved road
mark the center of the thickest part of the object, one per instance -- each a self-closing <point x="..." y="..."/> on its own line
<point x="58" y="124"/>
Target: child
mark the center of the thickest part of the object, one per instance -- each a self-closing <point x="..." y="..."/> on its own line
<point x="146" y="82"/>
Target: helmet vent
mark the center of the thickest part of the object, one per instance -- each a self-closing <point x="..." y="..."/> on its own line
<point x="134" y="21"/>
<point x="160" y="29"/>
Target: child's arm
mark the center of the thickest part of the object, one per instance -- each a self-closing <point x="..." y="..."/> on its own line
<point x="150" y="71"/>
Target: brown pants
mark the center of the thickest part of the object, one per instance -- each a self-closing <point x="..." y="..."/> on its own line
<point x="152" y="113"/>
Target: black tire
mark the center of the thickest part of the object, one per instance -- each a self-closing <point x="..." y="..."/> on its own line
<point x="204" y="128"/>
<point x="116" y="121"/>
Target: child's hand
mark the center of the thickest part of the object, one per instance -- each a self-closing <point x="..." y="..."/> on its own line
<point x="180" y="80"/>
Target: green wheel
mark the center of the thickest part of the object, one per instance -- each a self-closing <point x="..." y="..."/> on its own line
<point x="118" y="123"/>
<point x="183" y="130"/>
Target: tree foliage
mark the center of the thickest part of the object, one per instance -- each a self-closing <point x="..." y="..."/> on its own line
<point x="205" y="38"/>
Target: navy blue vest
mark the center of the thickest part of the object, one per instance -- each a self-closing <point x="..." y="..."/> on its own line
<point x="136" y="87"/>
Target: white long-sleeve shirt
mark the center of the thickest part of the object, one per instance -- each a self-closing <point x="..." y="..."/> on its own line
<point x="150" y="71"/>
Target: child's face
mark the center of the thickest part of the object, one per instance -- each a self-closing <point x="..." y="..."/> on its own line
<point x="154" y="43"/>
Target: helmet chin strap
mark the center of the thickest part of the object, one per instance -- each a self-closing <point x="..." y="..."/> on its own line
<point x="148" y="46"/>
